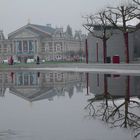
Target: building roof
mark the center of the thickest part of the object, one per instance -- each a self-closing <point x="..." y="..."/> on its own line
<point x="42" y="28"/>
<point x="39" y="29"/>
<point x="43" y="93"/>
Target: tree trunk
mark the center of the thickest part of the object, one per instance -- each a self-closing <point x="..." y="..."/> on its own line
<point x="97" y="57"/>
<point x="104" y="50"/>
<point x="87" y="77"/>
<point x="105" y="85"/>
<point x="126" y="47"/>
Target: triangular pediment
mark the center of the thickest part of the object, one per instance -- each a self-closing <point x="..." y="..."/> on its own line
<point x="31" y="30"/>
<point x="25" y="33"/>
<point x="33" y="94"/>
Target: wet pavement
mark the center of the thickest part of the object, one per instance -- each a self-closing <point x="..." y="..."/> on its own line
<point x="131" y="69"/>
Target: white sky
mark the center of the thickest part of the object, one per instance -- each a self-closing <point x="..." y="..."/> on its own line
<point x="15" y="13"/>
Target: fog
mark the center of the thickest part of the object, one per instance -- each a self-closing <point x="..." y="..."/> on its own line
<point x="17" y="13"/>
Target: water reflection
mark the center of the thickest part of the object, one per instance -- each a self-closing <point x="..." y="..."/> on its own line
<point x="113" y="99"/>
<point x="116" y="101"/>
<point x="33" y="86"/>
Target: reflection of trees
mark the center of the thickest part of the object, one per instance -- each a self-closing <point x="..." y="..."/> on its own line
<point x="123" y="113"/>
<point x="105" y="107"/>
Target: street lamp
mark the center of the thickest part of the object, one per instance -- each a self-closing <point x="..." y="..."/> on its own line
<point x="86" y="43"/>
<point x="97" y="56"/>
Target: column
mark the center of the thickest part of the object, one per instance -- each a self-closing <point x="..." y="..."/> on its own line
<point x="22" y="50"/>
<point x="53" y="49"/>
<point x="28" y="45"/>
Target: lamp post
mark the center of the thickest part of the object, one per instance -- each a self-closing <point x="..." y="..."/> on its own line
<point x="87" y="80"/>
<point x="97" y="56"/>
<point x="86" y="43"/>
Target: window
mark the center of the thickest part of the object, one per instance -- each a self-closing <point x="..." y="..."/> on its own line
<point x="20" y="80"/>
<point x="26" y="79"/>
<point x="51" y="49"/>
<point x="19" y="47"/>
<point x="55" y="49"/>
<point x="43" y="47"/>
<point x="0" y="49"/>
<point x="30" y="45"/>
<point x="58" y="76"/>
<point x="46" y="47"/>
<point x="51" y="77"/>
<point x="25" y="46"/>
<point x="11" y="47"/>
<point x="59" y="47"/>
<point x="5" y="48"/>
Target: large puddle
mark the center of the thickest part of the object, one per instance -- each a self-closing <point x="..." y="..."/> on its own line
<point x="69" y="106"/>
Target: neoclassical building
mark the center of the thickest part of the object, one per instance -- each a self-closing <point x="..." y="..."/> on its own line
<point x="46" y="42"/>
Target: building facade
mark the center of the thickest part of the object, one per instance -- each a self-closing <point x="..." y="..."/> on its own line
<point x="115" y="46"/>
<point x="51" y="44"/>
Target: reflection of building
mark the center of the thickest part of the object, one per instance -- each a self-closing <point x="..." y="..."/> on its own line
<point x="5" y="47"/>
<point x="116" y="85"/>
<point x="46" y="42"/>
<point x="33" y="86"/>
<point x="5" y="81"/>
<point x="137" y="85"/>
<point x="26" y="79"/>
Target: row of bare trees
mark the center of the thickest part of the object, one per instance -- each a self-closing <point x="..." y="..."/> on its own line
<point x="101" y="24"/>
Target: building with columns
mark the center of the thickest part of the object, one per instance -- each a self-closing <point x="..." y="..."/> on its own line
<point x="52" y="44"/>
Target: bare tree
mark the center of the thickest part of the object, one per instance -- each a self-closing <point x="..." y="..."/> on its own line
<point x="97" y="25"/>
<point x="137" y="2"/>
<point x="128" y="116"/>
<point x="120" y="18"/>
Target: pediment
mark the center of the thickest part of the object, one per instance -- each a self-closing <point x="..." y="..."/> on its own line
<point x="25" y="34"/>
<point x="25" y="91"/>
<point x="33" y="93"/>
<point x="30" y="31"/>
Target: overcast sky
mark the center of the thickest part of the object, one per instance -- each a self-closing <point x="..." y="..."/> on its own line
<point x="15" y="13"/>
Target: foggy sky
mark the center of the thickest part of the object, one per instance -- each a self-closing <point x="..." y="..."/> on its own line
<point x="15" y="13"/>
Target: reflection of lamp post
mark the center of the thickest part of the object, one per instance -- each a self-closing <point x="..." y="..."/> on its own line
<point x="127" y="96"/>
<point x="87" y="78"/>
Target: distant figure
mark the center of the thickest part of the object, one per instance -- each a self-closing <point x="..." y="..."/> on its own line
<point x="10" y="60"/>
<point x="38" y="74"/>
<point x="37" y="60"/>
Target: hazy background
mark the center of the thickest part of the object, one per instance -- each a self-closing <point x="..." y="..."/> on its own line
<point x="15" y="13"/>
